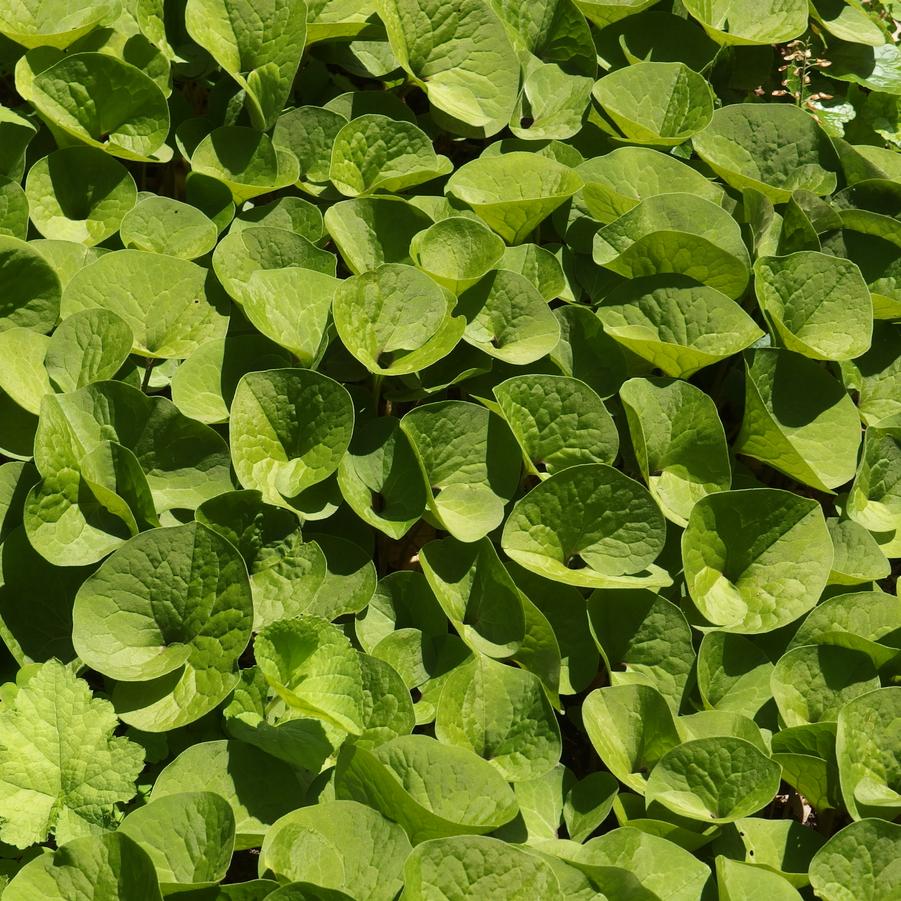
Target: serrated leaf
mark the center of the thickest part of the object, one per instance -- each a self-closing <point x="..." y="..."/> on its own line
<point x="61" y="770"/>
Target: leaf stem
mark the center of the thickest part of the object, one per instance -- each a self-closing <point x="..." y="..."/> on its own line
<point x="149" y="363"/>
<point x="377" y="379"/>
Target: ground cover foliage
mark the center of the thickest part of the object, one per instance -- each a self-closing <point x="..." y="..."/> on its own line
<point x="450" y="450"/>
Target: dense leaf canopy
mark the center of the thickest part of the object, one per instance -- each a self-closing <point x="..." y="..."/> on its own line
<point x="450" y="450"/>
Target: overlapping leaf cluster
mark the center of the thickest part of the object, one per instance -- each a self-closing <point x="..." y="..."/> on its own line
<point x="450" y="450"/>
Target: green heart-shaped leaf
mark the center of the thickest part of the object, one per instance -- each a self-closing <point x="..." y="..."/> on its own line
<point x="729" y="22"/>
<point x="465" y="454"/>
<point x="656" y="103"/>
<point x="866" y="750"/>
<point x="353" y="850"/>
<point x="476" y="865"/>
<point x="470" y="73"/>
<point x="169" y="304"/>
<point x="679" y="473"/>
<point x="856" y="862"/>
<point x="163" y="225"/>
<point x="79" y="194"/>
<point x="379" y="477"/>
<point x="259" y="45"/>
<point x="245" y="160"/>
<point x="588" y="525"/>
<point x="180" y="628"/>
<point x="631" y="728"/>
<point x="390" y="778"/>
<point x="677" y="233"/>
<point x="106" y="862"/>
<point x="875" y="498"/>
<point x="675" y="324"/>
<point x="39" y="23"/>
<point x="558" y="422"/>
<point x="127" y="115"/>
<point x="819" y="304"/>
<point x="774" y="148"/>
<point x="798" y="419"/>
<point x="372" y="231"/>
<point x="396" y="320"/>
<point x="456" y="252"/>
<point x="617" y="181"/>
<point x="716" y="780"/>
<point x="514" y="192"/>
<point x="756" y="559"/>
<point x="290" y="429"/>
<point x="189" y="837"/>
<point x="375" y="153"/>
